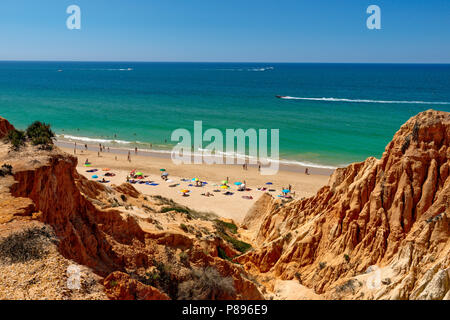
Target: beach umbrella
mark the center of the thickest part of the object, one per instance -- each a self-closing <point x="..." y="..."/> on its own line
<point x="195" y="179"/>
<point x="286" y="190"/>
<point x="224" y="181"/>
<point x="224" y="187"/>
<point x="106" y="169"/>
<point x="184" y="191"/>
<point x="238" y="183"/>
<point x="165" y="174"/>
<point x="139" y="174"/>
<point x="162" y="169"/>
<point x="95" y="177"/>
<point x="269" y="183"/>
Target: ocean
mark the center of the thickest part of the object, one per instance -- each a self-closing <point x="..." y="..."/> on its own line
<point x="333" y="114"/>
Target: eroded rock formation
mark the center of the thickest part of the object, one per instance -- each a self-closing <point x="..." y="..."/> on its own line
<point x="392" y="214"/>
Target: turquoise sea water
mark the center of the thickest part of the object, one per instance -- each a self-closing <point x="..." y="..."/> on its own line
<point x="354" y="111"/>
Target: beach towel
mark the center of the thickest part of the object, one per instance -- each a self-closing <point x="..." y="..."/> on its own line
<point x="247" y="197"/>
<point x="174" y="185"/>
<point x="153" y="184"/>
<point x="104" y="181"/>
<point x="92" y="170"/>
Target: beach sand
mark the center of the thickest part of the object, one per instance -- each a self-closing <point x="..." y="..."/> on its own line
<point x="231" y="207"/>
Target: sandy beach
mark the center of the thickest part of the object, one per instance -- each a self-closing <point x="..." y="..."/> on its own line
<point x="228" y="206"/>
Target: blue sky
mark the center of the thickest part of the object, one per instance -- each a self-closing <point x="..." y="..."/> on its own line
<point x="413" y="31"/>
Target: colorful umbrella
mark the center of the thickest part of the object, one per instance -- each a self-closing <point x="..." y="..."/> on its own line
<point x="224" y="181"/>
<point x="238" y="183"/>
<point x="162" y="169"/>
<point x="139" y="174"/>
<point x="224" y="187"/>
<point x="95" y="177"/>
<point x="286" y="190"/>
<point x="185" y="191"/>
<point x="195" y="179"/>
<point x="165" y="174"/>
<point x="269" y="183"/>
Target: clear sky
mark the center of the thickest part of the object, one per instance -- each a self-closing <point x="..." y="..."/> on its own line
<point x="226" y="30"/>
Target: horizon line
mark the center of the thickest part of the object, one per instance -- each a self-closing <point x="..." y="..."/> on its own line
<point x="276" y="62"/>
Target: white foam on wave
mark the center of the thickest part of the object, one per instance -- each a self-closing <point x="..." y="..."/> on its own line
<point x="87" y="139"/>
<point x="364" y="100"/>
<point x="256" y="69"/>
<point x="198" y="152"/>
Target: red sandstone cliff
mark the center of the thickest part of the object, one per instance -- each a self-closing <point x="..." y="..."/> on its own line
<point x="113" y="231"/>
<point x="392" y="214"/>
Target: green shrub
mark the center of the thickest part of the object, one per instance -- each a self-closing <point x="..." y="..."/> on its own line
<point x="176" y="209"/>
<point x="184" y="227"/>
<point x="17" y="139"/>
<point x="26" y="245"/>
<point x="222" y="225"/>
<point x="240" y="246"/>
<point x="40" y="134"/>
<point x="222" y="254"/>
<point x="161" y="278"/>
<point x="5" y="170"/>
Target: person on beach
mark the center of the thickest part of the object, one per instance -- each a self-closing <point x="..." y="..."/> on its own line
<point x="85" y="146"/>
<point x="115" y="158"/>
<point x="306" y="171"/>
<point x="290" y="188"/>
<point x="98" y="154"/>
<point x="108" y="149"/>
<point x="129" y="156"/>
<point x="87" y="161"/>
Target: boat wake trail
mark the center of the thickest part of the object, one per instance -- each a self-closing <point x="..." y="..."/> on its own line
<point x="363" y="100"/>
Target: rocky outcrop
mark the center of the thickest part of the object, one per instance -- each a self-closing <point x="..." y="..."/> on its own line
<point x="5" y="127"/>
<point x="391" y="213"/>
<point x="120" y="286"/>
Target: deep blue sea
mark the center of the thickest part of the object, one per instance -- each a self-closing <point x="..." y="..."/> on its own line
<point x="335" y="114"/>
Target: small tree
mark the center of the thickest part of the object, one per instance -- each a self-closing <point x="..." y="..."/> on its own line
<point x="40" y="134"/>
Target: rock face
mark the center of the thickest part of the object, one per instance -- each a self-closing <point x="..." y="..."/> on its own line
<point x="5" y="127"/>
<point x="391" y="214"/>
<point x="120" y="286"/>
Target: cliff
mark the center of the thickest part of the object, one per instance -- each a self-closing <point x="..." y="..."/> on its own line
<point x="378" y="230"/>
<point x="128" y="245"/>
